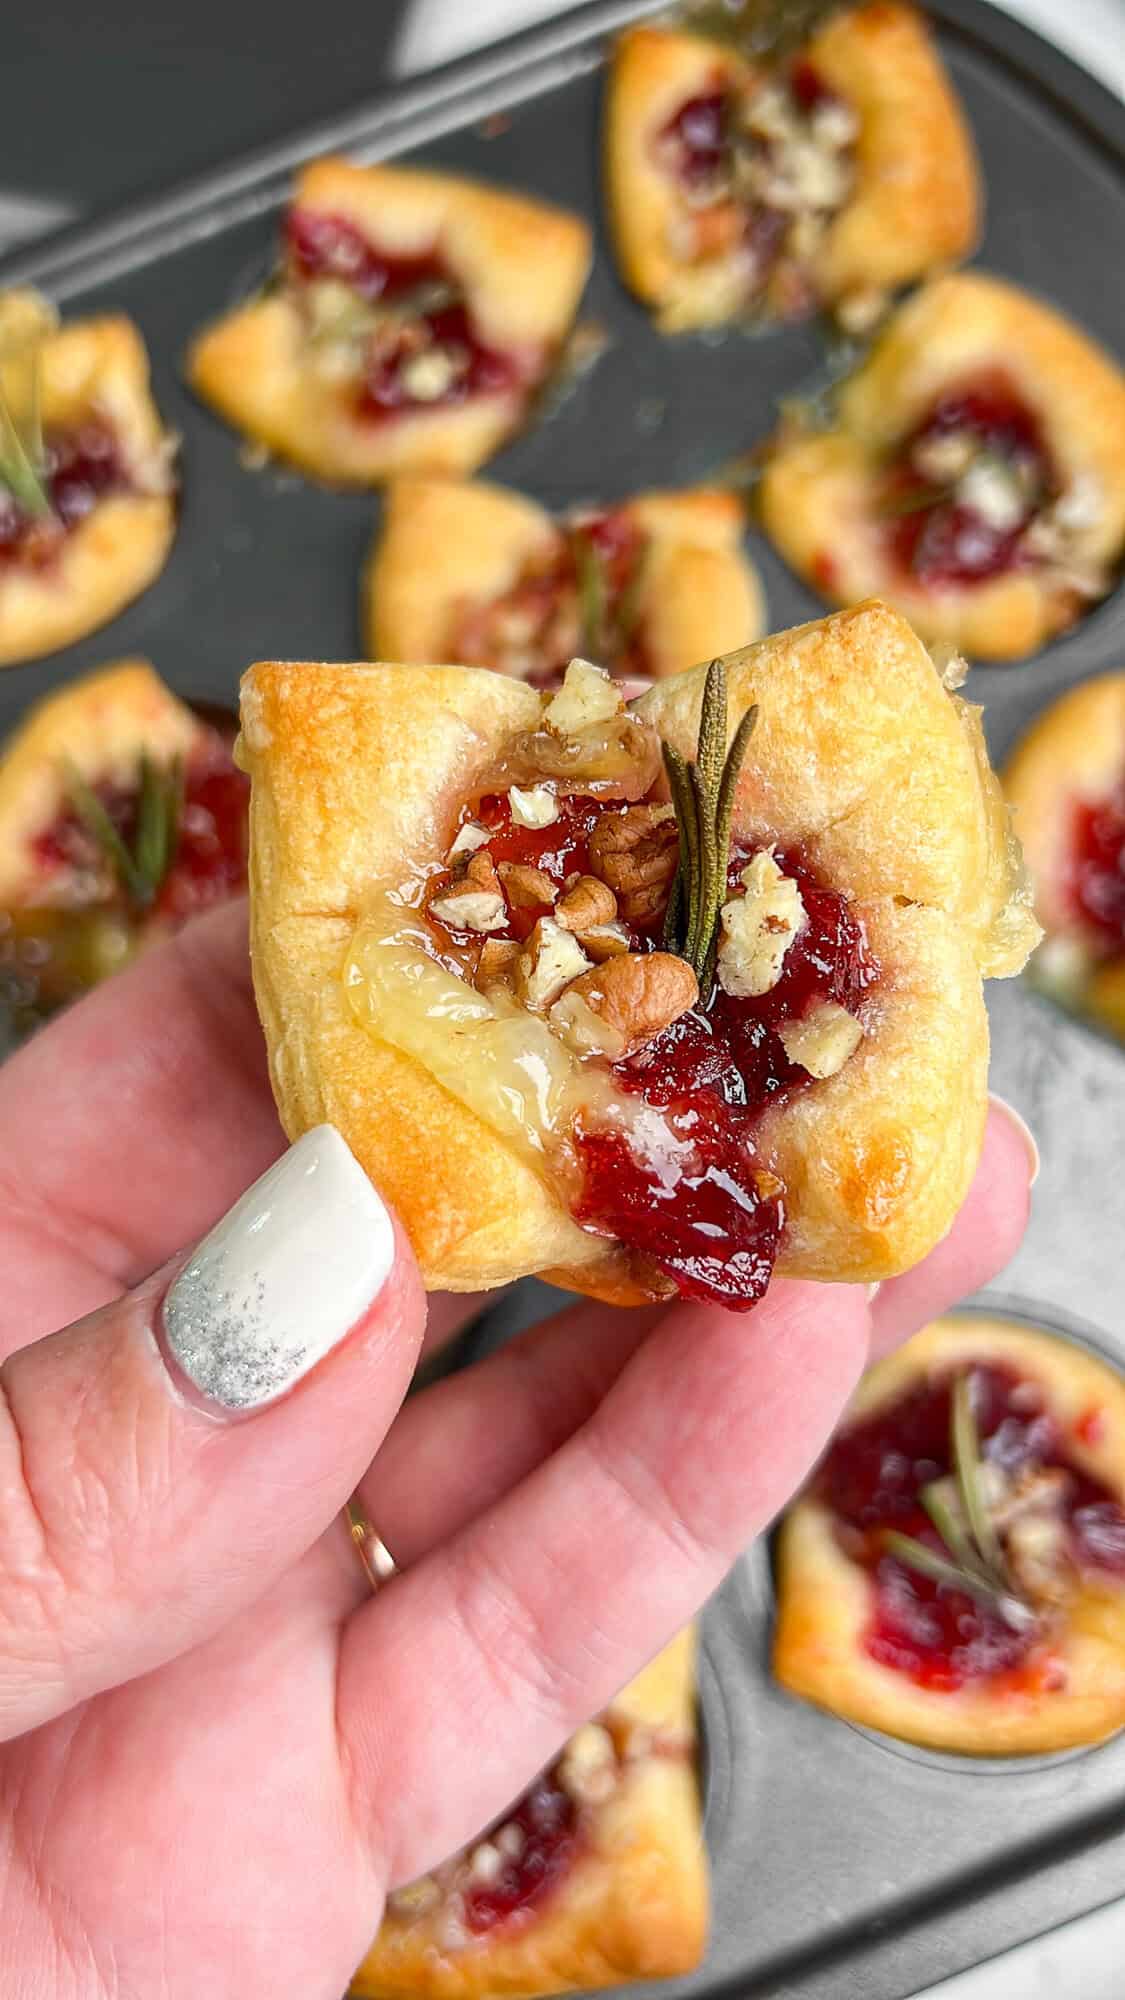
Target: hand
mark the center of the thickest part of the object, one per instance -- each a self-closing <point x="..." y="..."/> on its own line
<point x="217" y="1749"/>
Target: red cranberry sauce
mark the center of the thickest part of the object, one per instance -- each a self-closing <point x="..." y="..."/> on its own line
<point x="940" y="538"/>
<point x="547" y="1819"/>
<point x="329" y="246"/>
<point x="706" y="1214"/>
<point x="1097" y="869"/>
<point x="210" y="859"/>
<point x="696" y="142"/>
<point x="712" y="1221"/>
<point x="871" y="1480"/>
<point x="82" y="467"/>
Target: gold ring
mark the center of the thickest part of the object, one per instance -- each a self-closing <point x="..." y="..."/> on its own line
<point x="379" y="1564"/>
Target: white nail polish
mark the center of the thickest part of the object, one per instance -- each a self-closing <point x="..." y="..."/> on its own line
<point x="282" y="1278"/>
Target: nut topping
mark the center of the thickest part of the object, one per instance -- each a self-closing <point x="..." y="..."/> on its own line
<point x="535" y="807"/>
<point x="550" y="961"/>
<point x="587" y="905"/>
<point x="469" y="837"/>
<point x="587" y="695"/>
<point x="822" y="1040"/>
<point x="497" y="962"/>
<point x="604" y="941"/>
<point x="475" y="902"/>
<point x="758" y="928"/>
<point x="638" y="993"/>
<point x="525" y="887"/>
<point x="635" y="853"/>
<point x="588" y="1766"/>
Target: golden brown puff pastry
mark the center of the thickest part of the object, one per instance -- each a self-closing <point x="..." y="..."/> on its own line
<point x="414" y="318"/>
<point x="974" y="473"/>
<point x="884" y="1644"/>
<point x="116" y="742"/>
<point x="613" y="1830"/>
<point x="830" y="179"/>
<point x="648" y="586"/>
<point x="96" y="526"/>
<point x="864" y="781"/>
<point x="95" y="727"/>
<point x="1065" y="782"/>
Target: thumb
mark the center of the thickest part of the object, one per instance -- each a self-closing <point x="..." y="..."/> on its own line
<point x="163" y="1461"/>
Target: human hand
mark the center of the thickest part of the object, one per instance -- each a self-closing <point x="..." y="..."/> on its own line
<point x="217" y="1750"/>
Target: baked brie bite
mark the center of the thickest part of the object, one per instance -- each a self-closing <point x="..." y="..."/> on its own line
<point x="598" y="1874"/>
<point x="955" y="1572"/>
<point x="87" y="482"/>
<point x="653" y="998"/>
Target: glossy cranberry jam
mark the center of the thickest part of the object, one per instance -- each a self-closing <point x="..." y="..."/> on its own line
<point x="697" y="137"/>
<point x="872" y="1478"/>
<point x="329" y="246"/>
<point x="547" y="1822"/>
<point x="936" y="535"/>
<point x="713" y="1223"/>
<point x="82" y="467"/>
<point x="1098" y="869"/>
<point x="705" y="1213"/>
<point x="210" y="859"/>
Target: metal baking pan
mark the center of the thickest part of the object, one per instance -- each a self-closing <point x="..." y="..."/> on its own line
<point x="843" y="1865"/>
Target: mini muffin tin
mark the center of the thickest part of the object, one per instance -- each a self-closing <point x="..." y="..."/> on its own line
<point x="844" y="1865"/>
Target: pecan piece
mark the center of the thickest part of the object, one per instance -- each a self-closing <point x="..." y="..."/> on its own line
<point x="496" y="962"/>
<point x="637" y="993"/>
<point x="587" y="905"/>
<point x="525" y="887"/>
<point x="636" y="853"/>
<point x="472" y="901"/>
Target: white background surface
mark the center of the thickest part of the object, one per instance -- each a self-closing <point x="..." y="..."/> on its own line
<point x="1083" y="1960"/>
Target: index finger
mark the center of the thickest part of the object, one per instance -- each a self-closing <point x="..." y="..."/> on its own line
<point x="535" y="1614"/>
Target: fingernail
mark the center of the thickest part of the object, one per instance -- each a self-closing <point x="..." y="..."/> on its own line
<point x="1026" y="1134"/>
<point x="282" y="1278"/>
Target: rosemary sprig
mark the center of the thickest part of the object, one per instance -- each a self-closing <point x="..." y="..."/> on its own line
<point x="23" y="462"/>
<point x="919" y="501"/>
<point x="140" y="869"/>
<point x="972" y="1560"/>
<point x="592" y="593"/>
<point x="702" y="794"/>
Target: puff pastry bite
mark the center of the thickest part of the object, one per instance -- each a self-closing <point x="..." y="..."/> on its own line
<point x="558" y="1046"/>
<point x="647" y="587"/>
<point x="1066" y="784"/>
<point x="412" y="318"/>
<point x="974" y="473"/>
<point x="828" y="178"/>
<point x="121" y="814"/>
<point x="955" y="1573"/>
<point x="598" y="1875"/>
<point x="87" y="508"/>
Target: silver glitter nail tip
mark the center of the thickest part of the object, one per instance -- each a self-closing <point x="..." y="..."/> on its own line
<point x="282" y="1278"/>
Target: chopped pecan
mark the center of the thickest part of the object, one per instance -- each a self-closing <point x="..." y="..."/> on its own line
<point x="473" y="900"/>
<point x="636" y="852"/>
<point x="587" y="905"/>
<point x="550" y="960"/>
<point x="496" y="962"/>
<point x="638" y="993"/>
<point x="481" y="873"/>
<point x="525" y="887"/>
<point x="823" y="1040"/>
<point x="604" y="941"/>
